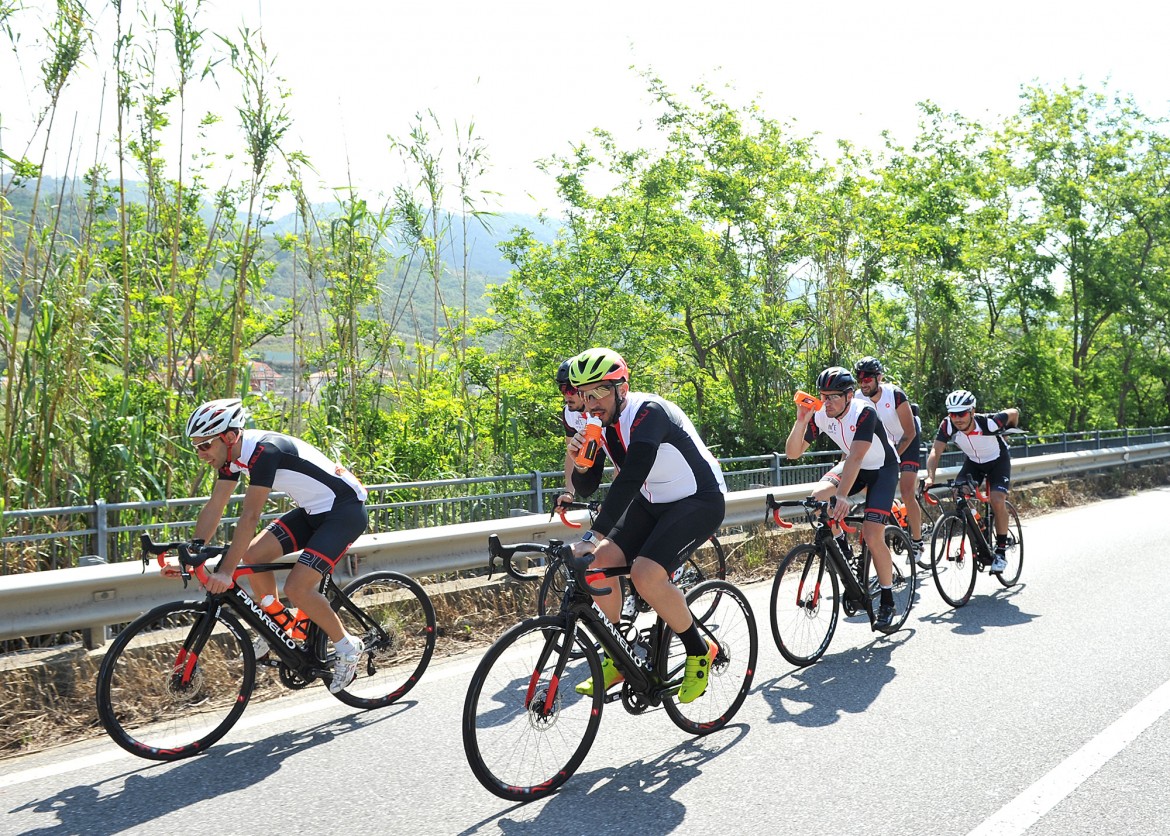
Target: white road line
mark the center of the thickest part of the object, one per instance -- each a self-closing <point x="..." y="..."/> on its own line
<point x="1033" y="803"/>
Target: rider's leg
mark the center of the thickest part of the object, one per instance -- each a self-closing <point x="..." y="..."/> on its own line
<point x="875" y="538"/>
<point x="908" y="483"/>
<point x="999" y="507"/>
<point x="303" y="588"/>
<point x="608" y="556"/>
<point x="264" y="548"/>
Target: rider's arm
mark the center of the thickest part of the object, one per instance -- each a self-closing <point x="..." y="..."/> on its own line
<point x="585" y="482"/>
<point x="208" y="521"/>
<point x="936" y="451"/>
<point x="798" y="439"/>
<point x="909" y="431"/>
<point x="1013" y="416"/>
<point x="255" y="498"/>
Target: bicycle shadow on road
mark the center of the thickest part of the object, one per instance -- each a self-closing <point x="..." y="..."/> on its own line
<point x="636" y="797"/>
<point x="843" y="683"/>
<point x="983" y="611"/>
<point x="157" y="789"/>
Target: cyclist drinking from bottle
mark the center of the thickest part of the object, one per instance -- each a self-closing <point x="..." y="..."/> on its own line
<point x="666" y="500"/>
<point x="980" y="437"/>
<point x="331" y="514"/>
<point x="870" y="464"/>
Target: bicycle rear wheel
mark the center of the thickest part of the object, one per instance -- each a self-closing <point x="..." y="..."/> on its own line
<point x="803" y="611"/>
<point x="954" y="560"/>
<point x="730" y="623"/>
<point x="398" y="643"/>
<point x="175" y="680"/>
<point x="525" y="727"/>
<point x="905" y="576"/>
<point x="1014" y="552"/>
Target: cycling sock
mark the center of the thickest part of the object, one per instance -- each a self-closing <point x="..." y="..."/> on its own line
<point x="345" y="646"/>
<point x="887" y="596"/>
<point x="1000" y="542"/>
<point x="692" y="640"/>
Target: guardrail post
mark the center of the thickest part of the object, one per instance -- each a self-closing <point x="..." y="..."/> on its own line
<point x="775" y="468"/>
<point x="94" y="635"/>
<point x="538" y="487"/>
<point x="101" y="523"/>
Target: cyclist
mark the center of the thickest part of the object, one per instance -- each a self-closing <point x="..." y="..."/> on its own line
<point x="331" y="514"/>
<point x="897" y="416"/>
<point x="666" y="499"/>
<point x="573" y="420"/>
<point x="870" y="464"/>
<point x="980" y="437"/>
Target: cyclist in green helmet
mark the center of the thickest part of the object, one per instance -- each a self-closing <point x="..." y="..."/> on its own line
<point x="666" y="499"/>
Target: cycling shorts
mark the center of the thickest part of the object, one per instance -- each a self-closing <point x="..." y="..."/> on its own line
<point x="998" y="473"/>
<point x="879" y="486"/>
<point x="912" y="458"/>
<point x="668" y="532"/>
<point x="321" y="538"/>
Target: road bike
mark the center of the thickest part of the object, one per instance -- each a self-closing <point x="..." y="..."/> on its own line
<point x="175" y="680"/>
<point x="808" y="582"/>
<point x="526" y="728"/>
<point x="962" y="545"/>
<point x="707" y="561"/>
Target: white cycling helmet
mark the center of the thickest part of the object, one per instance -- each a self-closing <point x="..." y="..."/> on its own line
<point x="960" y="401"/>
<point x="216" y="417"/>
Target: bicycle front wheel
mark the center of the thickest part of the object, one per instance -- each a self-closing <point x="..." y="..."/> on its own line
<point x="954" y="560"/>
<point x="905" y="575"/>
<point x="1014" y="552"/>
<point x="805" y="593"/>
<point x="552" y="587"/>
<point x="728" y="621"/>
<point x="397" y="627"/>
<point x="526" y="728"/>
<point x="175" y="680"/>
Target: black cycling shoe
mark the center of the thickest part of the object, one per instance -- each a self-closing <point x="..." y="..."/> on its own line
<point x="885" y="617"/>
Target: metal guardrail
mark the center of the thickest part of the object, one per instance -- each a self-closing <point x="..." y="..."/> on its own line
<point x="108" y="532"/>
<point x="91" y="597"/>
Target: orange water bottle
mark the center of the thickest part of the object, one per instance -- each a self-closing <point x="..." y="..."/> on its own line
<point x="806" y="400"/>
<point x="587" y="454"/>
<point x="293" y="622"/>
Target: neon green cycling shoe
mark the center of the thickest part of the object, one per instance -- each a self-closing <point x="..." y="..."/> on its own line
<point x="694" y="683"/>
<point x="609" y="671"/>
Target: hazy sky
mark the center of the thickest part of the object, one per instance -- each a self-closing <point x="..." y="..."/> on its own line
<point x="536" y="76"/>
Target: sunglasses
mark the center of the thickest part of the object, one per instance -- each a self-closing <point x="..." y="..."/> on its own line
<point x="960" y="414"/>
<point x="567" y="388"/>
<point x="834" y="396"/>
<point x="598" y="393"/>
<point x="864" y="377"/>
<point x="204" y="446"/>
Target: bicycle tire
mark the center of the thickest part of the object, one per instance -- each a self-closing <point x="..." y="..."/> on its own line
<point x="731" y="623"/>
<point x="396" y="655"/>
<point x="1014" y="552"/>
<point x="803" y="611"/>
<point x="552" y="587"/>
<point x="905" y="576"/>
<point x="175" y="681"/>
<point x="516" y="748"/>
<point x="954" y="561"/>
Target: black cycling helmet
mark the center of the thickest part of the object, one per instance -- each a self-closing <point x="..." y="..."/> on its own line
<point x="563" y="374"/>
<point x="835" y="379"/>
<point x="867" y="365"/>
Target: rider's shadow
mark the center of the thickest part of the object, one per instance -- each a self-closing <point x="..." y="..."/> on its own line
<point x="147" y="794"/>
<point x="640" y="794"/>
<point x="844" y="683"/>
<point x="983" y="611"/>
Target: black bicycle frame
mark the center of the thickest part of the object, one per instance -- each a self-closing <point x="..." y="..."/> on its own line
<point x="827" y="544"/>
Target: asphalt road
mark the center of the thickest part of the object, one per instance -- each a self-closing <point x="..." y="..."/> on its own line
<point x="1043" y="709"/>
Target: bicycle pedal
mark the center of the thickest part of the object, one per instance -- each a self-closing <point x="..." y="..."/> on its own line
<point x="613" y="696"/>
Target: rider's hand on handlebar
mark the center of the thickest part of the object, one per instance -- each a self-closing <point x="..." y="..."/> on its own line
<point x="838" y="508"/>
<point x="583" y="547"/>
<point x="218" y="582"/>
<point x="566" y="498"/>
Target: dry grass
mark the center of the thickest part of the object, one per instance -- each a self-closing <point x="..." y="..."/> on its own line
<point x="46" y="696"/>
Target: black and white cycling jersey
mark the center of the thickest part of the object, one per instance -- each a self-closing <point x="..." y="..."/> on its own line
<point x="295" y="467"/>
<point x="981" y="444"/>
<point x="890" y="397"/>
<point x="657" y="451"/>
<point x="859" y="422"/>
